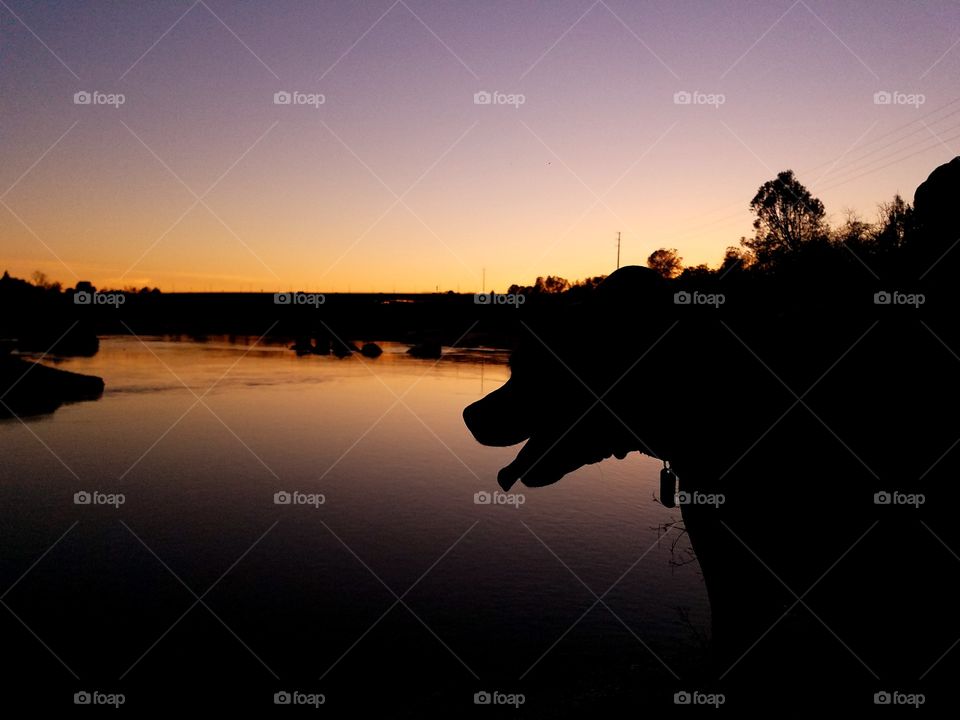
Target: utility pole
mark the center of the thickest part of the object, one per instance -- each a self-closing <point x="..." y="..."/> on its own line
<point x="483" y="287"/>
<point x="618" y="250"/>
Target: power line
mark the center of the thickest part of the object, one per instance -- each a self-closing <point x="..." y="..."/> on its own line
<point x="839" y="179"/>
<point x="922" y="140"/>
<point x="896" y="130"/>
<point x="856" y="157"/>
<point x="935" y="142"/>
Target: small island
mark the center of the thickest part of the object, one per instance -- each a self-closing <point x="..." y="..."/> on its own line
<point x="31" y="388"/>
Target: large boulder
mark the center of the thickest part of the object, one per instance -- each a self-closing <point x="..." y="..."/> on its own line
<point x="936" y="202"/>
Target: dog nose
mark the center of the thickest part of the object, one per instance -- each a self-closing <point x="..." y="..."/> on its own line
<point x="497" y="419"/>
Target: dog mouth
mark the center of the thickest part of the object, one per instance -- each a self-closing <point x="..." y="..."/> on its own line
<point x="556" y="445"/>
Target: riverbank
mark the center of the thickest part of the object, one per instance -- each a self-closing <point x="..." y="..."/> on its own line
<point x="31" y="388"/>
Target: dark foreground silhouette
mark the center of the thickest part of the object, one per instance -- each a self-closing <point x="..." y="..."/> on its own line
<point x="812" y="420"/>
<point x="30" y="388"/>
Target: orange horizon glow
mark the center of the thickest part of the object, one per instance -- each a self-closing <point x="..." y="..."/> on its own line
<point x="402" y="181"/>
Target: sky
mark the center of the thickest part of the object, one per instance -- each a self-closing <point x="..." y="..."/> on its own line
<point x="387" y="170"/>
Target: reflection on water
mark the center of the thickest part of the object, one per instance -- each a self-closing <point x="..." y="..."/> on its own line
<point x="199" y="436"/>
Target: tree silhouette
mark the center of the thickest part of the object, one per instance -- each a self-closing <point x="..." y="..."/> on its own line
<point x="896" y="218"/>
<point x="787" y="217"/>
<point x="855" y="233"/>
<point x="552" y="284"/>
<point x="666" y="262"/>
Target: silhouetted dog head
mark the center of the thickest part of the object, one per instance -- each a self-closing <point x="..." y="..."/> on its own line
<point x="586" y="382"/>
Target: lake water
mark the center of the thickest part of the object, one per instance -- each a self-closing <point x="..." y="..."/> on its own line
<point x="495" y="597"/>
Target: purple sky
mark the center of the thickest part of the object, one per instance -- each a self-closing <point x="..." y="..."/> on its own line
<point x="398" y="180"/>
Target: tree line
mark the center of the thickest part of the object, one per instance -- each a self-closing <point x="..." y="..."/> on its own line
<point x="791" y="228"/>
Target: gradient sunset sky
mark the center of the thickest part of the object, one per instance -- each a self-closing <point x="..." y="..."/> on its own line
<point x="399" y="180"/>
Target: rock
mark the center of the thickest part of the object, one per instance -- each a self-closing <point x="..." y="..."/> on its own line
<point x="302" y="346"/>
<point x="342" y="348"/>
<point x="371" y="350"/>
<point x="935" y="201"/>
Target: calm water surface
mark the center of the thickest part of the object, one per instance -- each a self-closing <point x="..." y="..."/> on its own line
<point x="199" y="436"/>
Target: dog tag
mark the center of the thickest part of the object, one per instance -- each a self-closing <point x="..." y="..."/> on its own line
<point x="668" y="486"/>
